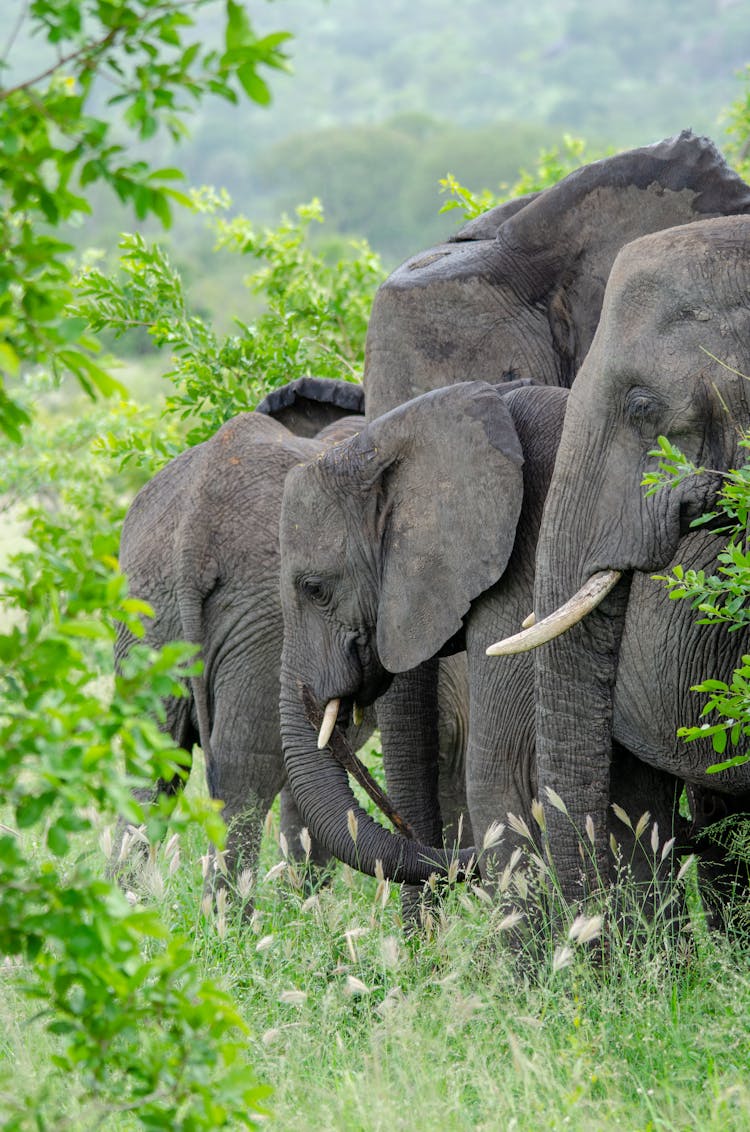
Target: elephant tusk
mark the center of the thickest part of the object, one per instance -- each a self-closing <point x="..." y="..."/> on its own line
<point x="330" y="715"/>
<point x="529" y="621"/>
<point x="588" y="597"/>
<point x="358" y="715"/>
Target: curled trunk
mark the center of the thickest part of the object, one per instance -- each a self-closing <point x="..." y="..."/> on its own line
<point x="332" y="814"/>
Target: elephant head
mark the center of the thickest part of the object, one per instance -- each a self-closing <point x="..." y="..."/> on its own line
<point x="386" y="540"/>
<point x="666" y="359"/>
<point x="518" y="292"/>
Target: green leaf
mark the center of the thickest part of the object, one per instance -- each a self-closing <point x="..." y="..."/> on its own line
<point x="738" y="760"/>
<point x="253" y="85"/>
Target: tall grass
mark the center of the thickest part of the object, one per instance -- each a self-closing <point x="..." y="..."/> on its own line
<point x="358" y="1027"/>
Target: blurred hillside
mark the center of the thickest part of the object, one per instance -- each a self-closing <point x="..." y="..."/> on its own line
<point x="386" y="98"/>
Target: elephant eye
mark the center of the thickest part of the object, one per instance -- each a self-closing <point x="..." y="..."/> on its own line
<point x="314" y="588"/>
<point x="642" y="409"/>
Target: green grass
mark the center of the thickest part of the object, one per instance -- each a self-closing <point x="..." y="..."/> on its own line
<point x="359" y="1028"/>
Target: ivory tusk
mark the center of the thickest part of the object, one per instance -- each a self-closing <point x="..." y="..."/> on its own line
<point x="358" y="715"/>
<point x="588" y="597"/>
<point x="529" y="621"/>
<point x="330" y="715"/>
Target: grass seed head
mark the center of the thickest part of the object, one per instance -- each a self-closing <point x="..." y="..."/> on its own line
<point x="245" y="884"/>
<point x="621" y="814"/>
<point x="590" y="831"/>
<point x="353" y="824"/>
<point x="518" y="825"/>
<point x="510" y="921"/>
<point x="493" y="835"/>
<point x="293" y="997"/>
<point x="585" y="928"/>
<point x="642" y="824"/>
<point x="563" y="957"/>
<point x="537" y="813"/>
<point x="686" y="864"/>
<point x="654" y="838"/>
<point x="305" y="841"/>
<point x="105" y="841"/>
<point x="555" y="800"/>
<point x="355" y="987"/>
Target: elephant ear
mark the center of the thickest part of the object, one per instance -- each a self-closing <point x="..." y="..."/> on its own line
<point x="450" y="488"/>
<point x="485" y="226"/>
<point x="310" y="404"/>
<point x="573" y="231"/>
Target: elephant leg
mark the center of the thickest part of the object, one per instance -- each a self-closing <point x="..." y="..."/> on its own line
<point x="500" y="771"/>
<point x="178" y="723"/>
<point x="407" y="715"/>
<point x="244" y="764"/>
<point x="453" y="728"/>
<point x="720" y="833"/>
<point x="645" y="864"/>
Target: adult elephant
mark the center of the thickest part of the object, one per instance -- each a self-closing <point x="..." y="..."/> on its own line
<point x="518" y="292"/>
<point x="668" y="358"/>
<point x="200" y="544"/>
<point x="415" y="537"/>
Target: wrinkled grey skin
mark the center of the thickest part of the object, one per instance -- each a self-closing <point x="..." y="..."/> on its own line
<point x="673" y="299"/>
<point x="200" y="544"/>
<point x="427" y="522"/>
<point x="517" y="293"/>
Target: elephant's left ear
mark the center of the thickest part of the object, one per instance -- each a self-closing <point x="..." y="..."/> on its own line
<point x="450" y="486"/>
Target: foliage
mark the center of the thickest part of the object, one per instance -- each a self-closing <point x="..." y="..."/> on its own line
<point x="738" y="128"/>
<point x="58" y="139"/>
<point x="138" y="1030"/>
<point x="721" y="597"/>
<point x="313" y="320"/>
<point x="552" y="165"/>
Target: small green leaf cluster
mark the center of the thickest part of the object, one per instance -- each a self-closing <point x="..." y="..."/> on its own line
<point x="552" y="165"/>
<point x="721" y="598"/>
<point x="53" y="145"/>
<point x="313" y="321"/>
<point x="738" y="128"/>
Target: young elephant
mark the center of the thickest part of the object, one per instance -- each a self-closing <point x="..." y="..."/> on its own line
<point x="200" y="544"/>
<point x="396" y="544"/>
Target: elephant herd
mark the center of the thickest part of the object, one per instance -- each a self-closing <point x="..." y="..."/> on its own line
<point x="516" y="380"/>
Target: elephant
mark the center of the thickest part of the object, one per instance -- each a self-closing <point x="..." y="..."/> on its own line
<point x="668" y="358"/>
<point x="200" y="545"/>
<point x="414" y="538"/>
<point x="517" y="292"/>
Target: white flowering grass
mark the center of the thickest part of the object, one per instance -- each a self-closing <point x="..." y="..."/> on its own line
<point x="486" y="1021"/>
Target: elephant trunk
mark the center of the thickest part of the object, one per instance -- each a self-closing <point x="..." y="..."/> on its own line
<point x="574" y="677"/>
<point x="332" y="814"/>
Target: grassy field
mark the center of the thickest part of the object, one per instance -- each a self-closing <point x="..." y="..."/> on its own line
<point x="357" y="1027"/>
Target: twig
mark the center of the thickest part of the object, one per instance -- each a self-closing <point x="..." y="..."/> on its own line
<point x="343" y="754"/>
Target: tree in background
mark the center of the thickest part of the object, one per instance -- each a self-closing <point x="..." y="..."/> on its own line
<point x="133" y="1027"/>
<point x="140" y="64"/>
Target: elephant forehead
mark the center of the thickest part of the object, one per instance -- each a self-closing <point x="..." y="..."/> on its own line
<point x="311" y="515"/>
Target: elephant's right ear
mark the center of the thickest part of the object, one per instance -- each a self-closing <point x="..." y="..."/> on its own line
<point x="450" y="489"/>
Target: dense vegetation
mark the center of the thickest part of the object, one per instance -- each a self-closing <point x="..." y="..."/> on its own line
<point x="155" y="1007"/>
